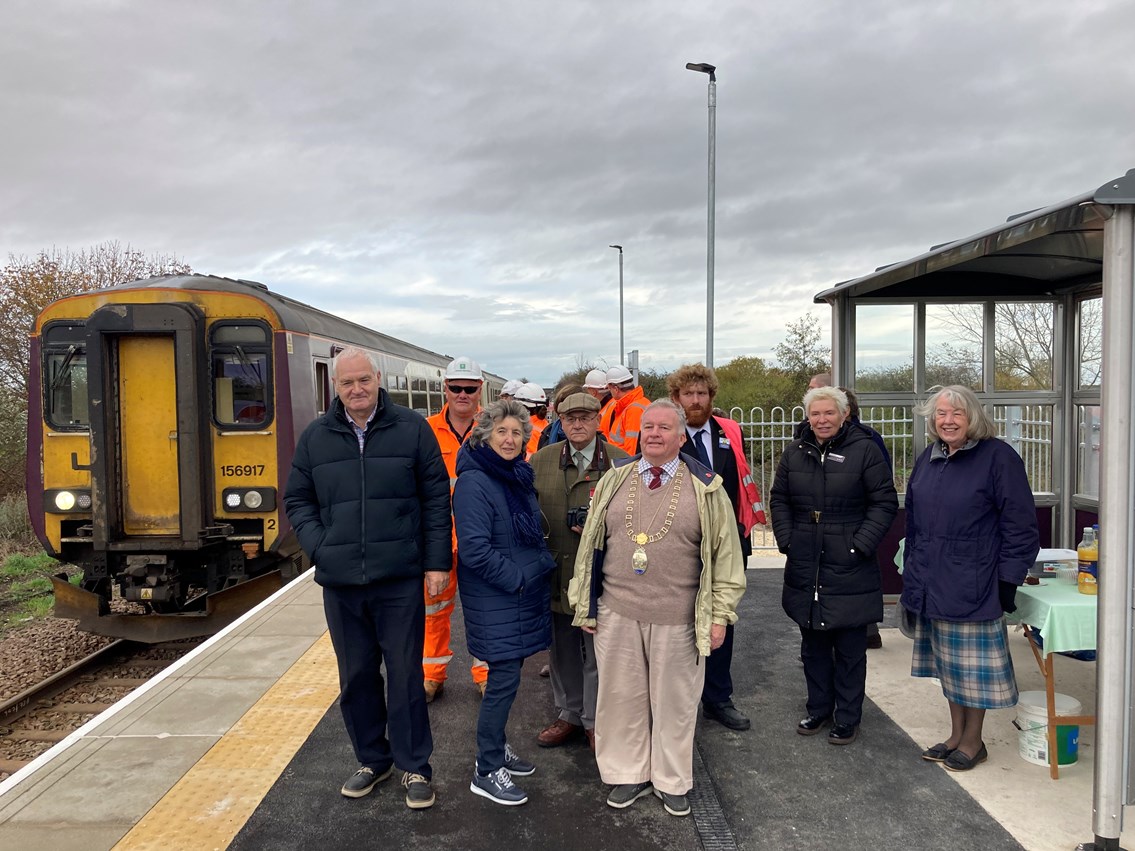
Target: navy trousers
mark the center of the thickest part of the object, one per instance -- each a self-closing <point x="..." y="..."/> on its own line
<point x="369" y="625"/>
<point x="835" y="667"/>
<point x="718" y="687"/>
<point x="500" y="692"/>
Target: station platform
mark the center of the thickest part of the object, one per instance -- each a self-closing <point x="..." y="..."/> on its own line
<point x="241" y="745"/>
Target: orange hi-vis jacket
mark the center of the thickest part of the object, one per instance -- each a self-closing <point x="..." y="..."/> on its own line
<point x="626" y="419"/>
<point x="538" y="426"/>
<point x="436" y="652"/>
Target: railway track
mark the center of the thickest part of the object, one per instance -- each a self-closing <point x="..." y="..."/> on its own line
<point x="37" y="718"/>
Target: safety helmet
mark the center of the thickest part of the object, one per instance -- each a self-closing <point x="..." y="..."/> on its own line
<point x="511" y="386"/>
<point x="532" y="395"/>
<point x="464" y="367"/>
<point x="619" y="375"/>
<point x="596" y="380"/>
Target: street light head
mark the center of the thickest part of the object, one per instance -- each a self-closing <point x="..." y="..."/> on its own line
<point x="618" y="247"/>
<point x="703" y="67"/>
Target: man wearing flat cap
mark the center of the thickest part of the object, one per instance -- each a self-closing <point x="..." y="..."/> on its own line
<point x="566" y="476"/>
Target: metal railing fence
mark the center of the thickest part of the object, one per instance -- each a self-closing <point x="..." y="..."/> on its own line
<point x="1028" y="428"/>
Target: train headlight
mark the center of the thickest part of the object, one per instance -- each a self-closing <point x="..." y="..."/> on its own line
<point x="67" y="501"/>
<point x="249" y="499"/>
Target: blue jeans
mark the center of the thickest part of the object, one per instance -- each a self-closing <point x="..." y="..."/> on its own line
<point x="504" y="681"/>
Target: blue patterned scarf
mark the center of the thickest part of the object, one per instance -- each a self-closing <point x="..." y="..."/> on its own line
<point x="517" y="477"/>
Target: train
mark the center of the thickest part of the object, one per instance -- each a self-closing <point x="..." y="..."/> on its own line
<point x="162" y="419"/>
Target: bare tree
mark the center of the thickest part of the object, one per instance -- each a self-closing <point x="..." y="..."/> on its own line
<point x="802" y="354"/>
<point x="27" y="286"/>
<point x="1022" y="336"/>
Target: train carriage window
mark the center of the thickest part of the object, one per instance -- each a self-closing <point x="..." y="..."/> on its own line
<point x="322" y="387"/>
<point x="65" y="376"/>
<point x="241" y="370"/>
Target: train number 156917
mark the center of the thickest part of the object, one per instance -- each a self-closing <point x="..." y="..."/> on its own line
<point x="240" y="470"/>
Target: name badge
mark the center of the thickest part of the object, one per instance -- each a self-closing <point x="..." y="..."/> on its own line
<point x="839" y="459"/>
<point x="723" y="442"/>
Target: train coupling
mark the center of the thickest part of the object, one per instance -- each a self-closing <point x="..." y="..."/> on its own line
<point x="149" y="579"/>
<point x="221" y="608"/>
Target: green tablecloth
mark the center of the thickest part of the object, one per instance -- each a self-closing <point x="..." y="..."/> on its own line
<point x="1065" y="617"/>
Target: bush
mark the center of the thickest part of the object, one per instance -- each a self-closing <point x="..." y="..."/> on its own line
<point x="15" y="525"/>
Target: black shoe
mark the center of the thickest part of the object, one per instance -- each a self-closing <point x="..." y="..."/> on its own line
<point x="625" y="794"/>
<point x="676" y="805"/>
<point x="842" y="734"/>
<point x="362" y="781"/>
<point x="419" y="793"/>
<point x="727" y="715"/>
<point x="874" y="642"/>
<point x="812" y="724"/>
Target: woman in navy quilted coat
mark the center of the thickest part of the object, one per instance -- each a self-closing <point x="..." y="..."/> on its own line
<point x="971" y="537"/>
<point x="502" y="569"/>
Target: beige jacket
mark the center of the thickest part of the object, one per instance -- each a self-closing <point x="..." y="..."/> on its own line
<point x="723" y="570"/>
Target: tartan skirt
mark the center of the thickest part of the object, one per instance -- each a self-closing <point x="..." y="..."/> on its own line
<point x="970" y="658"/>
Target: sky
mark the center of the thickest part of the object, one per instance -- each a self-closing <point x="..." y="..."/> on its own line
<point x="453" y="173"/>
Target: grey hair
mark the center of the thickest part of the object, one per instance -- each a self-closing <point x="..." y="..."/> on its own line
<point x="832" y="394"/>
<point x="669" y="405"/>
<point x="494" y="413"/>
<point x="352" y="352"/>
<point x="980" y="425"/>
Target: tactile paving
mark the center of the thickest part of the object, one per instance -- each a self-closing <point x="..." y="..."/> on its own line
<point x="211" y="802"/>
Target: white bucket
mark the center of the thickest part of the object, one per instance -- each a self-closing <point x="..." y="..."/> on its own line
<point x="1032" y="727"/>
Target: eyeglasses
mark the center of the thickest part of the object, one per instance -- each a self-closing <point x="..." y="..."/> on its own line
<point x="456" y="388"/>
<point x="578" y="419"/>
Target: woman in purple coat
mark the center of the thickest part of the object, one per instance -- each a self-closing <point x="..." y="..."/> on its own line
<point x="971" y="536"/>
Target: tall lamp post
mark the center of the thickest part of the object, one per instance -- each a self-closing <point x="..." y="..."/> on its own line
<point x="705" y="68"/>
<point x="622" y="351"/>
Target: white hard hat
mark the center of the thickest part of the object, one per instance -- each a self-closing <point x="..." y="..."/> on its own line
<point x="511" y="386"/>
<point x="464" y="367"/>
<point x="619" y="375"/>
<point x="531" y="394"/>
<point x="596" y="380"/>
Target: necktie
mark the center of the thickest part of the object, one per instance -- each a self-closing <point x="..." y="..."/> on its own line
<point x="580" y="462"/>
<point x="656" y="482"/>
<point x="700" y="450"/>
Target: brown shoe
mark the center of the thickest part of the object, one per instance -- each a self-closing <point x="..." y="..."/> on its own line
<point x="556" y="733"/>
<point x="590" y="738"/>
<point x="433" y="689"/>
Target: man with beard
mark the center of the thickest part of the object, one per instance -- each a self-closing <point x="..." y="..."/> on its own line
<point x="717" y="442"/>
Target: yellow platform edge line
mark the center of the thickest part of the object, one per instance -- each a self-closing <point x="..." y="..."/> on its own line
<point x="209" y="805"/>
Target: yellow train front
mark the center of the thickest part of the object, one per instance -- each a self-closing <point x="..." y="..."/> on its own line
<point x="162" y="419"/>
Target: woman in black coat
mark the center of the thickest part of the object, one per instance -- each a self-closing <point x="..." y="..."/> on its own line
<point x="832" y="502"/>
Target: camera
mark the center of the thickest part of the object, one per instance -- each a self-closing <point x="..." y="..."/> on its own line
<point x="577" y="516"/>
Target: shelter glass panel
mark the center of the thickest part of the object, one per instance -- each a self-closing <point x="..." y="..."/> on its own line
<point x="1023" y="342"/>
<point x="1088" y="450"/>
<point x="1090" y="354"/>
<point x="896" y="426"/>
<point x="884" y="347"/>
<point x="954" y="345"/>
<point x="1028" y="429"/>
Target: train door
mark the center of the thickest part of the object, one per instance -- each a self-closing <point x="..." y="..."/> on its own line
<point x="147" y="415"/>
<point x="147" y="437"/>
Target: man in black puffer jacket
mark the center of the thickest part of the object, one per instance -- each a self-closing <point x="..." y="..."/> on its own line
<point x="368" y="496"/>
<point x="832" y="502"/>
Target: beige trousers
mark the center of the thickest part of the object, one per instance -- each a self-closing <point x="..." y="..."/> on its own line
<point x="650" y="681"/>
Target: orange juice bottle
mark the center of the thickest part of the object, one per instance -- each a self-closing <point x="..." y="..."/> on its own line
<point x="1088" y="554"/>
